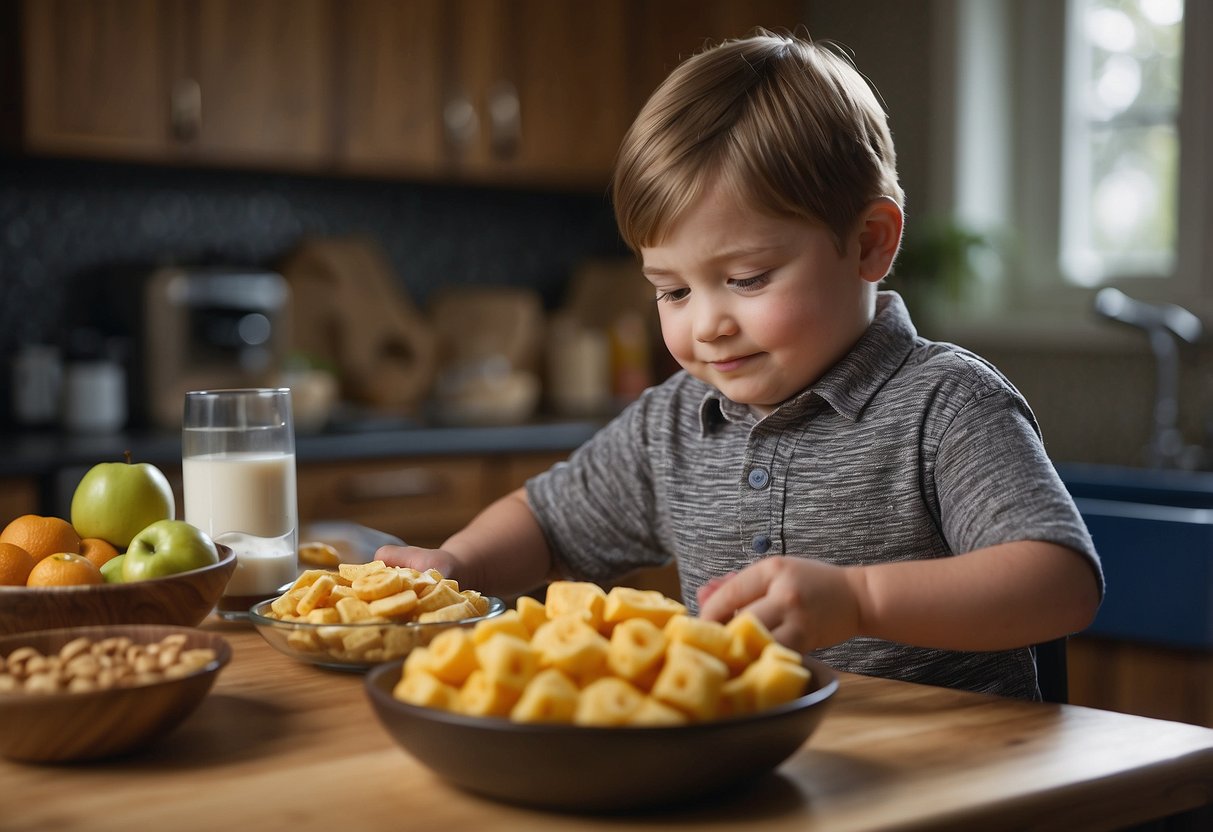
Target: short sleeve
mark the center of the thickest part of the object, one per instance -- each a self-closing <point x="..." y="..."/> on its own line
<point x="598" y="509"/>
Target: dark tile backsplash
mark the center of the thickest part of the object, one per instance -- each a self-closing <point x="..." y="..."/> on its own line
<point x="74" y="233"/>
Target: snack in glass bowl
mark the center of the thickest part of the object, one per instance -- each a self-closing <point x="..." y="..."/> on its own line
<point x="367" y="613"/>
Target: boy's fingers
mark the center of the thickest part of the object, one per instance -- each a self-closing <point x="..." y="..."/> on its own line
<point x="734" y="592"/>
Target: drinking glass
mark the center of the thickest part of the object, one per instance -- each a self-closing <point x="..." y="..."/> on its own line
<point x="238" y="467"/>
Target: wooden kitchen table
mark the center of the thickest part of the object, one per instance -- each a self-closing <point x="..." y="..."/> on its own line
<point x="278" y="745"/>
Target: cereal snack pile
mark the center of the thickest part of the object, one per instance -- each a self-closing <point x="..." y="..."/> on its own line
<point x="346" y="604"/>
<point x="86" y="665"/>
<point x="589" y="657"/>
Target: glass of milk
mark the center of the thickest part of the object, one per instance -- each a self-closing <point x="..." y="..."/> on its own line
<point x="238" y="468"/>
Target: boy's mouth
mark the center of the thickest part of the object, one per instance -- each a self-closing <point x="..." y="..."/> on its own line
<point x="729" y="364"/>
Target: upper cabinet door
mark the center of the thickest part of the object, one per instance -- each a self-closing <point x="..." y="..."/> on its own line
<point x="263" y="71"/>
<point x="554" y="96"/>
<point x="101" y="84"/>
<point x="390" y="87"/>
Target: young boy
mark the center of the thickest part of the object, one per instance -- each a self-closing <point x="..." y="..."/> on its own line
<point x="871" y="496"/>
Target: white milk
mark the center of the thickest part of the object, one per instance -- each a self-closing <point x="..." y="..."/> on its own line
<point x="247" y="501"/>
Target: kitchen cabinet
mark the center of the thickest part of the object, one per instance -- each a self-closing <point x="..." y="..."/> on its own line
<point x="217" y="80"/>
<point x="420" y="500"/>
<point x="18" y="496"/>
<point x="531" y="92"/>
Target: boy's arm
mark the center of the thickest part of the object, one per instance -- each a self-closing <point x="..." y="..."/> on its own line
<point x="1004" y="596"/>
<point x="503" y="550"/>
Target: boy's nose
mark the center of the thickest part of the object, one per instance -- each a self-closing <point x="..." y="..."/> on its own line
<point x="713" y="320"/>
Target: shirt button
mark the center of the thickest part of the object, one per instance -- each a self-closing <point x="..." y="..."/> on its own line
<point x="762" y="543"/>
<point x="759" y="478"/>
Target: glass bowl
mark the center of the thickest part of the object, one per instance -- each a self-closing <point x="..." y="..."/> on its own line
<point x="358" y="646"/>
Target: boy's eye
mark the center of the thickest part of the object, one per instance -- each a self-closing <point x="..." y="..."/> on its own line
<point x="672" y="295"/>
<point x="751" y="282"/>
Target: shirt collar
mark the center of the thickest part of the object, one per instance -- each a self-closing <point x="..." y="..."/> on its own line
<point x="849" y="385"/>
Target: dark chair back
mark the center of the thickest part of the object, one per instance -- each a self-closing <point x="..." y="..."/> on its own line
<point x="1051" y="673"/>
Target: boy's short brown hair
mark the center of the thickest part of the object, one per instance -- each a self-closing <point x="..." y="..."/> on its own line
<point x="788" y="124"/>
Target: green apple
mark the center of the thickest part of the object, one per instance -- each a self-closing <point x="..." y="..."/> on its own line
<point x="167" y="547"/>
<point x="116" y="500"/>
<point x="111" y="570"/>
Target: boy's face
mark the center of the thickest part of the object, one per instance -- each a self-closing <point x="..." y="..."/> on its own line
<point x="757" y="306"/>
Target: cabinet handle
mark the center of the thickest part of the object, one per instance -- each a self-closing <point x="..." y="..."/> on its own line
<point x="392" y="485"/>
<point x="505" y="119"/>
<point x="185" y="110"/>
<point x="461" y="122"/>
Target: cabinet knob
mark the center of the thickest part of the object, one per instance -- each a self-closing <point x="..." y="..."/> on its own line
<point x="505" y="119"/>
<point x="186" y="110"/>
<point x="461" y="122"/>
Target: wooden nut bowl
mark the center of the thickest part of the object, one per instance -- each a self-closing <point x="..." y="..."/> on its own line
<point x="182" y="600"/>
<point x="58" y="727"/>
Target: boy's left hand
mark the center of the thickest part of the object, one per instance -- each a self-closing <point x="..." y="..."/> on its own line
<point x="805" y="604"/>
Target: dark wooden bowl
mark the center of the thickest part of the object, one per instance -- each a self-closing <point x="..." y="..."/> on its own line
<point x="182" y="600"/>
<point x="574" y="768"/>
<point x="61" y="727"/>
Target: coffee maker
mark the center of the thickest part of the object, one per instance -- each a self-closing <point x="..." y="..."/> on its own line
<point x="208" y="328"/>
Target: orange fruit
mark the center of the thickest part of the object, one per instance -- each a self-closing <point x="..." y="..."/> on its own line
<point x="41" y="536"/>
<point x="15" y="565"/>
<point x="64" y="569"/>
<point x="97" y="551"/>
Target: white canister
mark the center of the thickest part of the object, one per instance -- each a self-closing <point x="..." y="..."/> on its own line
<point x="37" y="385"/>
<point x="94" y="397"/>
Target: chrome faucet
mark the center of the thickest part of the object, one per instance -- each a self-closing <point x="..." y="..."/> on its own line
<point x="1165" y="324"/>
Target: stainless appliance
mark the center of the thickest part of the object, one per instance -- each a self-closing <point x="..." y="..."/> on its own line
<point x="210" y="328"/>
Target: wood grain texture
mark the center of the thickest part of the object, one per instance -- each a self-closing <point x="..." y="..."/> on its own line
<point x="184" y="599"/>
<point x="94" y="724"/>
<point x="280" y="745"/>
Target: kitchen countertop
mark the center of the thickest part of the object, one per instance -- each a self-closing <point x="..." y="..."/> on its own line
<point x="42" y="453"/>
<point x="279" y="745"/>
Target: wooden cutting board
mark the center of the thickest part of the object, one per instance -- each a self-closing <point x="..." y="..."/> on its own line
<point x="347" y="308"/>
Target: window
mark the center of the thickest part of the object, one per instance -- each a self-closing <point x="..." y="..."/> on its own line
<point x="1084" y="138"/>
<point x="1120" y="160"/>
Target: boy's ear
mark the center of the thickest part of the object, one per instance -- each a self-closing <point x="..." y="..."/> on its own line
<point x="879" y="238"/>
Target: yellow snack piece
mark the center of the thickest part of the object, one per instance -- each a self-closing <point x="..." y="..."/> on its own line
<point x="579" y="598"/>
<point x="323" y="615"/>
<point x="691" y="681"/>
<point x="315" y="593"/>
<point x="747" y="638"/>
<point x="454" y="612"/>
<point x="607" y="701"/>
<point x="507" y="660"/>
<point x="655" y="714"/>
<point x="351" y="610"/>
<point x="483" y="696"/>
<point x="357" y="640"/>
<point x="477" y="600"/>
<point x="775" y="650"/>
<point x="394" y="606"/>
<point x="351" y="571"/>
<point x="624" y="602"/>
<point x="532" y="612"/>
<point x="570" y="644"/>
<point x="766" y="683"/>
<point x="451" y="656"/>
<point x="709" y="636"/>
<point x="508" y="622"/>
<point x="636" y="650"/>
<point x="422" y="689"/>
<point x="437" y="597"/>
<point x="550" y="696"/>
<point x="379" y="584"/>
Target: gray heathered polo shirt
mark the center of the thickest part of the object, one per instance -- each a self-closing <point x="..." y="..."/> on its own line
<point x="906" y="449"/>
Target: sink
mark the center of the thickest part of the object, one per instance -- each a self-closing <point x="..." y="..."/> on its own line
<point x="1153" y="530"/>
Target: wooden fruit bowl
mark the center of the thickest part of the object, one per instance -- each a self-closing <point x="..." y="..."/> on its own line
<point x="58" y="727"/>
<point x="183" y="600"/>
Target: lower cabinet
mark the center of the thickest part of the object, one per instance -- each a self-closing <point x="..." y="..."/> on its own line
<point x="422" y="501"/>
<point x="1142" y="679"/>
